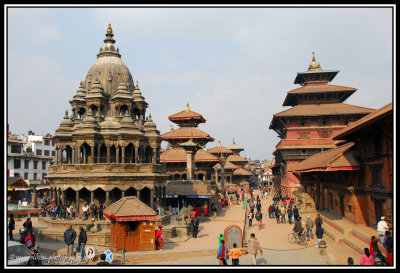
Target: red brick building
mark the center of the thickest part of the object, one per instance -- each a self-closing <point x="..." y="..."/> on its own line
<point x="355" y="180"/>
<point x="317" y="113"/>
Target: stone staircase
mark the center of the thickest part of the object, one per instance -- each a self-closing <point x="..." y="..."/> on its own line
<point x="355" y="236"/>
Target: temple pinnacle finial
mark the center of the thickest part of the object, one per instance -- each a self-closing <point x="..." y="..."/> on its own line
<point x="187" y="106"/>
<point x="314" y="65"/>
<point x="219" y="143"/>
<point x="109" y="29"/>
<point x="234" y="141"/>
<point x="137" y="84"/>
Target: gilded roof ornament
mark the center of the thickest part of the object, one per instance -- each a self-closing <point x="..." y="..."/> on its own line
<point x="187" y="106"/>
<point x="109" y="29"/>
<point x="314" y="65"/>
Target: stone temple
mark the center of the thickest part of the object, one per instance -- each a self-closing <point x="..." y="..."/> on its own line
<point x="107" y="148"/>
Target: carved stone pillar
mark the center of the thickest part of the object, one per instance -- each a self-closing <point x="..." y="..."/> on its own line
<point x="138" y="194"/>
<point x="123" y="194"/>
<point x="92" y="161"/>
<point x="91" y="197"/>
<point x="136" y="154"/>
<point x="123" y="154"/>
<point x="117" y="154"/>
<point x="56" y="159"/>
<point x="108" y="154"/>
<point x="154" y="160"/>
<point x="152" y="198"/>
<point x="73" y="156"/>
<point x="98" y="154"/>
<point x="58" y="197"/>
<point x="77" y="201"/>
<point x="107" y="198"/>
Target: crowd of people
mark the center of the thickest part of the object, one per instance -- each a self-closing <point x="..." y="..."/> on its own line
<point x="67" y="212"/>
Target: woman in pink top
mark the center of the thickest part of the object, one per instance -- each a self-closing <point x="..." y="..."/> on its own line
<point x="366" y="258"/>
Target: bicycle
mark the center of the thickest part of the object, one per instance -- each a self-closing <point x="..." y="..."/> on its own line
<point x="294" y="238"/>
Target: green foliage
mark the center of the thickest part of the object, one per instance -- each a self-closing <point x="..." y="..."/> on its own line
<point x="28" y="149"/>
<point x="106" y="95"/>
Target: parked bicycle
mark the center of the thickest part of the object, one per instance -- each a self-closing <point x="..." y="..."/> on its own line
<point x="295" y="238"/>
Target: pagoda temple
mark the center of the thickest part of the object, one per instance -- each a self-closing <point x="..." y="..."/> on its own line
<point x="189" y="166"/>
<point x="317" y="112"/>
<point x="107" y="148"/>
<point x="232" y="170"/>
<point x="175" y="157"/>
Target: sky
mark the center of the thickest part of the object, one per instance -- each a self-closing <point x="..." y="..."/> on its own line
<point x="233" y="65"/>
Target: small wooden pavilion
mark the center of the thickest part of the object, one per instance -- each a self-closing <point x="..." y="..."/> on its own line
<point x="132" y="224"/>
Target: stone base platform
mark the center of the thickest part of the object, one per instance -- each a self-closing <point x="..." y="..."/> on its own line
<point x="76" y="223"/>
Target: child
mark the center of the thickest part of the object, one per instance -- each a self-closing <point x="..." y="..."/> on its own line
<point x="235" y="254"/>
<point x="222" y="254"/>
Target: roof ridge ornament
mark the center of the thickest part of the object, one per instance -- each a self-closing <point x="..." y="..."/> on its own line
<point x="187" y="106"/>
<point x="314" y="65"/>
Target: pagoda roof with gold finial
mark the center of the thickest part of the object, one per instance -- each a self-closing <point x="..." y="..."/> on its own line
<point x="187" y="117"/>
<point x="315" y="74"/>
<point x="220" y="150"/>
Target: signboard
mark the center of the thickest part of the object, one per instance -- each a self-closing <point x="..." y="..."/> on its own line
<point x="199" y="196"/>
<point x="90" y="253"/>
<point x="233" y="234"/>
<point x="34" y="182"/>
<point x="171" y="196"/>
<point x="109" y="256"/>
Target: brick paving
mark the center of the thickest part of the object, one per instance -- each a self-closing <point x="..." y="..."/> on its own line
<point x="272" y="236"/>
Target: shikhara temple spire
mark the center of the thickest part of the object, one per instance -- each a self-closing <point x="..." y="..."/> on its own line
<point x="314" y="65"/>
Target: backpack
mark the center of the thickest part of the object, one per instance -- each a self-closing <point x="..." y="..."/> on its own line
<point x="258" y="216"/>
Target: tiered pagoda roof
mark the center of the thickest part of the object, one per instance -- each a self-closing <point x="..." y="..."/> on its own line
<point x="337" y="159"/>
<point x="220" y="150"/>
<point x="179" y="155"/>
<point x="187" y="118"/>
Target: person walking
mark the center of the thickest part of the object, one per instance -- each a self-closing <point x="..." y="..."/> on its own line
<point x="373" y="246"/>
<point x="103" y="260"/>
<point x="318" y="221"/>
<point x="195" y="224"/>
<point x="381" y="227"/>
<point x="101" y="209"/>
<point x="94" y="211"/>
<point x="250" y="218"/>
<point x="235" y="254"/>
<point x="320" y="233"/>
<point x="273" y="212"/>
<point x="296" y="212"/>
<point x="282" y="213"/>
<point x="30" y="240"/>
<point x="220" y="239"/>
<point x="159" y="239"/>
<point x="290" y="214"/>
<point x="260" y="226"/>
<point x="270" y="211"/>
<point x="85" y="211"/>
<point x="277" y="214"/>
<point x="309" y="226"/>
<point x="366" y="258"/>
<point x="258" y="217"/>
<point x="69" y="239"/>
<point x="387" y="241"/>
<point x="350" y="261"/>
<point x="380" y="259"/>
<point x="253" y="246"/>
<point x="258" y="206"/>
<point x="11" y="226"/>
<point x="222" y="254"/>
<point x="82" y="239"/>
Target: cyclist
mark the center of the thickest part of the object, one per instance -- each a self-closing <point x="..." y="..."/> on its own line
<point x="298" y="228"/>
